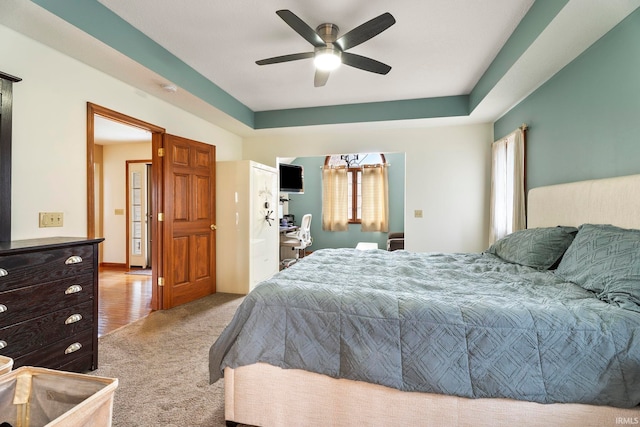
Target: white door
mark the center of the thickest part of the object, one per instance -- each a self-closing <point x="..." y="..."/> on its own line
<point x="138" y="208"/>
<point x="264" y="223"/>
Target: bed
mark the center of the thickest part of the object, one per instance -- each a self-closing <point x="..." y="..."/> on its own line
<point x="437" y="354"/>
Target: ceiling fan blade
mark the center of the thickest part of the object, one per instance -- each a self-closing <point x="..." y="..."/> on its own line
<point x="285" y="58"/>
<point x="321" y="78"/>
<point x="364" y="63"/>
<point x="300" y="27"/>
<point x="365" y="31"/>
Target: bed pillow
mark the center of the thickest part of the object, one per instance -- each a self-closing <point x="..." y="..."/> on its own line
<point x="539" y="248"/>
<point x="606" y="260"/>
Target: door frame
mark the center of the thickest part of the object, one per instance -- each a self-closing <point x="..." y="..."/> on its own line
<point x="128" y="208"/>
<point x="157" y="134"/>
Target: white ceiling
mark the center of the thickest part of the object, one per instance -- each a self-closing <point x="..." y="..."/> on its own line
<point x="436" y="48"/>
<point x="108" y="132"/>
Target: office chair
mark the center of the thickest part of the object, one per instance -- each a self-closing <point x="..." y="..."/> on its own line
<point x="298" y="240"/>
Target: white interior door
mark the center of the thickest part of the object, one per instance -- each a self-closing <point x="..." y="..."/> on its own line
<point x="138" y="208"/>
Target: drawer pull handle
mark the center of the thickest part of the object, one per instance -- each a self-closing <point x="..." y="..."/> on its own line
<point x="3" y="344"/>
<point x="75" y="259"/>
<point x="73" y="319"/>
<point x="73" y="347"/>
<point x="3" y="272"/>
<point x="3" y="308"/>
<point x="73" y="289"/>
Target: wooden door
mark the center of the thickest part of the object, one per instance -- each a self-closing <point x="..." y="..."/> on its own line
<point x="189" y="221"/>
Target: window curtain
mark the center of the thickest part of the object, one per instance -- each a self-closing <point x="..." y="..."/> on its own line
<point x="375" y="198"/>
<point x="335" y="199"/>
<point x="507" y="212"/>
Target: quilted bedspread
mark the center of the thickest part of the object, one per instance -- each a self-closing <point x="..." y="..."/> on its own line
<point x="468" y="325"/>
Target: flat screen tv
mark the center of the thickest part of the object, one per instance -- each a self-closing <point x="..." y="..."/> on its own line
<point x="291" y="178"/>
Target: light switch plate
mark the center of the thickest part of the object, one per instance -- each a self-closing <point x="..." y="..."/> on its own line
<point x="51" y="219"/>
<point x="417" y="213"/>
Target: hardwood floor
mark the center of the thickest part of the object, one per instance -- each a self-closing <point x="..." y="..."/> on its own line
<point x="123" y="298"/>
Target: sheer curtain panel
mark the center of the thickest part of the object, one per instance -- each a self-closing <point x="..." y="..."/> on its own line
<point x="335" y="195"/>
<point x="375" y="198"/>
<point x="507" y="211"/>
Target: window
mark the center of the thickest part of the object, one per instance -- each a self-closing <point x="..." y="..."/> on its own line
<point x="354" y="182"/>
<point x="507" y="186"/>
<point x="343" y="202"/>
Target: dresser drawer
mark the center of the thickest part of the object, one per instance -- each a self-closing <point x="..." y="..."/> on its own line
<point x="81" y="364"/>
<point x="31" y="335"/>
<point x="61" y="353"/>
<point x="25" y="303"/>
<point x="17" y="270"/>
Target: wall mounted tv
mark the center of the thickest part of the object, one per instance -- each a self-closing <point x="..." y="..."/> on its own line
<point x="291" y="178"/>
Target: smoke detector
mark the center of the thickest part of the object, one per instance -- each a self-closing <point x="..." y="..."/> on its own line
<point x="168" y="87"/>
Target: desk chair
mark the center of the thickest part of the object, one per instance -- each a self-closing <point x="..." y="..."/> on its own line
<point x="297" y="241"/>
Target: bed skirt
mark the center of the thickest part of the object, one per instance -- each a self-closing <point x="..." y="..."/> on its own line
<point x="264" y="395"/>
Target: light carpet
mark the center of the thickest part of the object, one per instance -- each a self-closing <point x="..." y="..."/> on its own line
<point x="161" y="363"/>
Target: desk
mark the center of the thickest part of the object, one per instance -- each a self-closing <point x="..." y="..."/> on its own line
<point x="288" y="228"/>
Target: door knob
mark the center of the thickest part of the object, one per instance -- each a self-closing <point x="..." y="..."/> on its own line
<point x="213" y="227"/>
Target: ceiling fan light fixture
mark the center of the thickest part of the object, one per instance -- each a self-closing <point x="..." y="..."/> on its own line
<point x="329" y="49"/>
<point x="327" y="58"/>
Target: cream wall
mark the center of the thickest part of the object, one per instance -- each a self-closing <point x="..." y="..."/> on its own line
<point x="49" y="131"/>
<point x="447" y="175"/>
<point x="114" y="175"/>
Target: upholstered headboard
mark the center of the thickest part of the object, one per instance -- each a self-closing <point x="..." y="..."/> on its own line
<point x="601" y="201"/>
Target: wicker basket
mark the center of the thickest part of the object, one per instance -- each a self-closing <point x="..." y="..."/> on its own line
<point x="38" y="397"/>
<point x="6" y="363"/>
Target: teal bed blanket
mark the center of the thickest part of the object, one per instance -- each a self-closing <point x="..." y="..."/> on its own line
<point x="469" y="325"/>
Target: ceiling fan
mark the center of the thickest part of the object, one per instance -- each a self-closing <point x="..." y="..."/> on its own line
<point x="329" y="50"/>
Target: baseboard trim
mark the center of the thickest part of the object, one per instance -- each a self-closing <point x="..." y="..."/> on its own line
<point x="114" y="265"/>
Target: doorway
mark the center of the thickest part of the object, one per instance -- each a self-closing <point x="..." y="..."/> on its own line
<point x="96" y="191"/>
<point x="139" y="213"/>
<point x="182" y="206"/>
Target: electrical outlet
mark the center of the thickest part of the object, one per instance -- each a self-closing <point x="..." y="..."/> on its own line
<point x="51" y="219"/>
<point x="417" y="213"/>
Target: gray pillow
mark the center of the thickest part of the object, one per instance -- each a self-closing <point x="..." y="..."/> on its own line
<point x="539" y="248"/>
<point x="606" y="260"/>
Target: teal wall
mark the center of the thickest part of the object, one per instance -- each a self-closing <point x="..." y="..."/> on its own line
<point x="103" y="24"/>
<point x="311" y="202"/>
<point x="584" y="123"/>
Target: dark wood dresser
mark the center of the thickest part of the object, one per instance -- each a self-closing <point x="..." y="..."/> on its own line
<point x="49" y="302"/>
